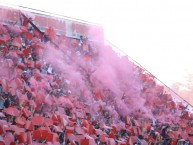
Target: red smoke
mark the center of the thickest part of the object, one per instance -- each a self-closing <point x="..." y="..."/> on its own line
<point x="185" y="89"/>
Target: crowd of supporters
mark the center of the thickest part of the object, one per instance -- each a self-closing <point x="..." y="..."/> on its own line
<point x="40" y="103"/>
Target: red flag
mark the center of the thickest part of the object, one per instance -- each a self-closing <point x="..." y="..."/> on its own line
<point x="38" y="120"/>
<point x="28" y="35"/>
<point x="185" y="115"/>
<point x="12" y="111"/>
<point x="84" y="142"/>
<point x="51" y="33"/>
<point x="128" y="121"/>
<point x="9" y="138"/>
<point x="171" y="105"/>
<point x="29" y="125"/>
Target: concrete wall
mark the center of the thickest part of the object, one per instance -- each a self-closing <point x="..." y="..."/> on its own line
<point x="62" y="25"/>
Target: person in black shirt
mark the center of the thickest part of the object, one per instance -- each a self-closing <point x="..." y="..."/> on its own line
<point x="164" y="134"/>
<point x="61" y="137"/>
<point x="7" y="102"/>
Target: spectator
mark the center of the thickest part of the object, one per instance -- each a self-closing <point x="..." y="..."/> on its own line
<point x="140" y="140"/>
<point x="7" y="102"/>
<point x="164" y="134"/>
<point x="152" y="131"/>
<point x="1" y="102"/>
<point x="61" y="137"/>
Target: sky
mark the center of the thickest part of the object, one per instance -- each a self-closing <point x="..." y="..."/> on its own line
<point x="157" y="34"/>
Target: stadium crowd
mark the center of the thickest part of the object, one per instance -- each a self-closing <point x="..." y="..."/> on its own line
<point x="45" y="101"/>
